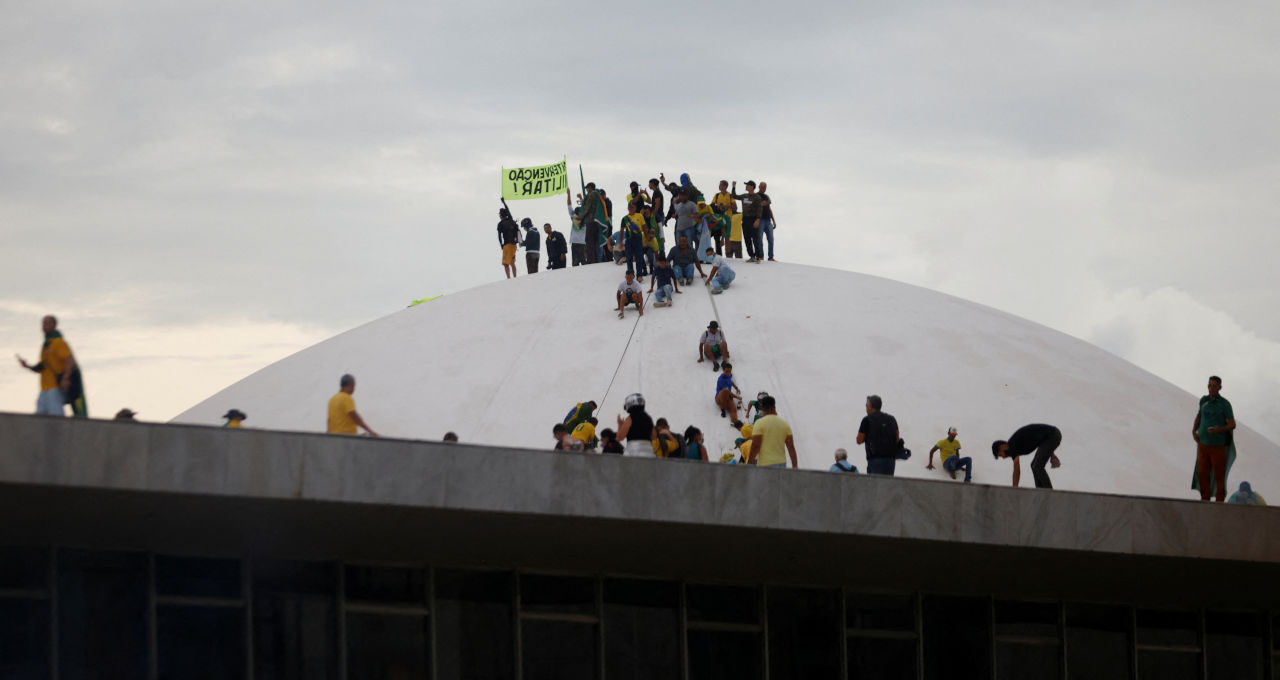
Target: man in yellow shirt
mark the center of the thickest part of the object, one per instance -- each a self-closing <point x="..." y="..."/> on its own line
<point x="585" y="432"/>
<point x="59" y="377"/>
<point x="950" y="456"/>
<point x="343" y="418"/>
<point x="725" y="199"/>
<point x="770" y="436"/>
<point x="235" y="418"/>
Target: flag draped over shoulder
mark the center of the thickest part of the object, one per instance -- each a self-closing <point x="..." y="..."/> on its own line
<point x="542" y="181"/>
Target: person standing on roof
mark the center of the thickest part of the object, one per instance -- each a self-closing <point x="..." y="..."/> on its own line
<point x="879" y="432"/>
<point x="686" y="216"/>
<point x="508" y="237"/>
<point x="343" y="418"/>
<point x="766" y="223"/>
<point x="556" y="248"/>
<point x="950" y="456"/>
<point x="637" y="429"/>
<point x="60" y="381"/>
<point x="751" y="209"/>
<point x="1212" y="431"/>
<point x="728" y="395"/>
<point x="532" y="245"/>
<point x="769" y="436"/>
<point x="1043" y="439"/>
<point x="713" y="346"/>
<point x="632" y="227"/>
<point x="577" y="232"/>
<point x="721" y="273"/>
<point x="593" y="208"/>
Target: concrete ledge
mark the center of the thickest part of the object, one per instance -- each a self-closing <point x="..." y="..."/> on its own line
<point x="149" y="486"/>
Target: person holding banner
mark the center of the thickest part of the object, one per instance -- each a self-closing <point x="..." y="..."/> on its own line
<point x="508" y="237"/>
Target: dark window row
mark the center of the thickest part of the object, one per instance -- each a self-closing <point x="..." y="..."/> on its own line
<point x="105" y="612"/>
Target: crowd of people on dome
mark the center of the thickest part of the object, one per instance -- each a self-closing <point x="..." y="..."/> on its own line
<point x="704" y="232"/>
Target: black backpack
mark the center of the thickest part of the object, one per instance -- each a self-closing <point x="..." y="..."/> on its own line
<point x="882" y="436"/>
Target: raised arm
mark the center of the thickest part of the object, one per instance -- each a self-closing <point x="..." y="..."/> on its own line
<point x="1017" y="472"/>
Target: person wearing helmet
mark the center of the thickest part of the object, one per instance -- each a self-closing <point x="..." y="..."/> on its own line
<point x="951" y="460"/>
<point x="637" y="428"/>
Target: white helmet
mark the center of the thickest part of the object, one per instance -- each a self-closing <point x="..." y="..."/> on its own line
<point x="632" y="401"/>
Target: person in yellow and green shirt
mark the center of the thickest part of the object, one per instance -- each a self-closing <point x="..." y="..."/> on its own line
<point x="343" y="418"/>
<point x="950" y="456"/>
<point x="725" y="199"/>
<point x="771" y="439"/>
<point x="235" y="418"/>
<point x="59" y="375"/>
<point x="585" y="432"/>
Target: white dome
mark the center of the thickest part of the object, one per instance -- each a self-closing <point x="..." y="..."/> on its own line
<point x="500" y="364"/>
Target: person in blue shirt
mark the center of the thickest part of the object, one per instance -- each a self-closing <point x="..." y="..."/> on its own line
<point x="726" y="398"/>
<point x="664" y="280"/>
<point x="842" y="463"/>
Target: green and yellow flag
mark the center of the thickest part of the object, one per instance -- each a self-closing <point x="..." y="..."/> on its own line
<point x="544" y="181"/>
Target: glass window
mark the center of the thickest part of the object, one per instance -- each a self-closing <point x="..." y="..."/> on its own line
<point x="641" y="629"/>
<point x="1016" y="660"/>
<point x="473" y="615"/>
<point x="1233" y="645"/>
<point x="385" y="584"/>
<point x="724" y="655"/>
<point x="880" y="611"/>
<point x="294" y="621"/>
<point x="387" y="646"/>
<point x="559" y="650"/>
<point x="557" y="594"/>
<point x="805" y="633"/>
<point x="195" y="577"/>
<point x="24" y="569"/>
<point x="205" y="643"/>
<point x="957" y="637"/>
<point x="1168" y="628"/>
<point x="723" y="604"/>
<point x="1099" y="642"/>
<point x="873" y="658"/>
<point x="1166" y="665"/>
<point x="24" y="639"/>
<point x="1027" y="620"/>
<point x="102" y="615"/>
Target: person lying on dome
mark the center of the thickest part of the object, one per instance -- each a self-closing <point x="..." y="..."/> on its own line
<point x="630" y="292"/>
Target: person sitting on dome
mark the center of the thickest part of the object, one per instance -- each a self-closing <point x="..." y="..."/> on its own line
<point x="630" y="292"/>
<point x="1246" y="496"/>
<point x="664" y="280"/>
<point x="713" y="346"/>
<point x="721" y="273"/>
<point x="725" y="397"/>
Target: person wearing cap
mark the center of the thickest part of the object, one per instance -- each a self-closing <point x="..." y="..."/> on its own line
<point x="556" y="248"/>
<point x="721" y="273"/>
<point x="1041" y="438"/>
<point x="630" y="292"/>
<point x="126" y="415"/>
<point x="637" y="195"/>
<point x="950" y="458"/>
<point x="766" y="223"/>
<point x="751" y="209"/>
<point x="713" y="346"/>
<point x="728" y="395"/>
<point x="532" y="245"/>
<point x="771" y="440"/>
<point x="842" y="463"/>
<point x="684" y="259"/>
<point x="235" y="418"/>
<point x="879" y="433"/>
<point x="1246" y="496"/>
<point x="508" y="237"/>
<point x="343" y="418"/>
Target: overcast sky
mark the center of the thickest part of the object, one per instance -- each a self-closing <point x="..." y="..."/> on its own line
<point x="197" y="189"/>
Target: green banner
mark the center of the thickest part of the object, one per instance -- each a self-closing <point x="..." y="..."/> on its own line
<point x="538" y="182"/>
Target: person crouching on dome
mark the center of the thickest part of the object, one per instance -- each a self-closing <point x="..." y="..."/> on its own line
<point x="630" y="292"/>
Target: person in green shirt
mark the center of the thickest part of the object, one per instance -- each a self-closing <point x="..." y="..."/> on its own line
<point x="1212" y="431"/>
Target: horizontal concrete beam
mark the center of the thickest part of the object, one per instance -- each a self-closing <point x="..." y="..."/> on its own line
<point x="215" y="490"/>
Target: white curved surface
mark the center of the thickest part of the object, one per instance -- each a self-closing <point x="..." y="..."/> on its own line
<point x="500" y="364"/>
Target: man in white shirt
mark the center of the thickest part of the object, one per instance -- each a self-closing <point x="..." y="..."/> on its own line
<point x="713" y="346"/>
<point x="630" y="292"/>
<point x="721" y="275"/>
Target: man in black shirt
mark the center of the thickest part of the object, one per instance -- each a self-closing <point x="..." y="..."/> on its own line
<point x="766" y="223"/>
<point x="532" y="244"/>
<point x="556" y="248"/>
<point x="1043" y="439"/>
<point x="879" y="431"/>
<point x="508" y="237"/>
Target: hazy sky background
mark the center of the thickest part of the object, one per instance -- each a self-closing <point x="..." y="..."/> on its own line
<point x="197" y="189"/>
